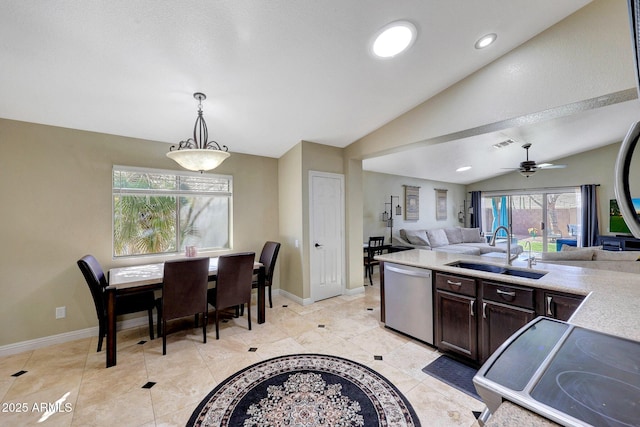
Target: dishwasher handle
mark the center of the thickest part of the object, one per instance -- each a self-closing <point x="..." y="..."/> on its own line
<point x="426" y="273"/>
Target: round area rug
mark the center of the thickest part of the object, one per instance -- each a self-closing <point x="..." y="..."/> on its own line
<point x="305" y="390"/>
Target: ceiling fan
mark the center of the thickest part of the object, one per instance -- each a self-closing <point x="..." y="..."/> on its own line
<point x="529" y="167"/>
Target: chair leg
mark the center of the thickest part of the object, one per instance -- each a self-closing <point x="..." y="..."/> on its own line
<point x="270" y="301"/>
<point x="249" y="314"/>
<point x="151" y="323"/>
<point x="101" y="334"/>
<point x="204" y="326"/>
<point x="217" y="329"/>
<point x="370" y="274"/>
<point x="159" y="317"/>
<point x="164" y="337"/>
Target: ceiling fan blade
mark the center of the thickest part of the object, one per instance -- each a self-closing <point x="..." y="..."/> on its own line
<point x="550" y="166"/>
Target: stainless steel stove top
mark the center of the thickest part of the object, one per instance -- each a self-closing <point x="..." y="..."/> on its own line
<point x="571" y="375"/>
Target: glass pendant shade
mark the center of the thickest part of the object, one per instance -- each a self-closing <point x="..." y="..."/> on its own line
<point x="199" y="160"/>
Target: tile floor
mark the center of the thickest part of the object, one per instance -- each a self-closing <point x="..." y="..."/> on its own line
<point x="91" y="395"/>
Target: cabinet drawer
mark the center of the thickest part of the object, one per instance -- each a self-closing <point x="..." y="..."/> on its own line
<point x="457" y="284"/>
<point x="508" y="294"/>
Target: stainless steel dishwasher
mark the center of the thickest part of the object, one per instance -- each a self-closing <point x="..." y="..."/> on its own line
<point x="408" y="300"/>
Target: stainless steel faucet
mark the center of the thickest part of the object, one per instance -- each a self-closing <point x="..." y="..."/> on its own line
<point x="493" y="242"/>
<point x="531" y="260"/>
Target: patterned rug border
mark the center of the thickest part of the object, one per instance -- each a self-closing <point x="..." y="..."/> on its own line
<point x="292" y="363"/>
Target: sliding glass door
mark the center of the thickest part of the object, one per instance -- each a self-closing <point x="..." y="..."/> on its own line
<point x="546" y="219"/>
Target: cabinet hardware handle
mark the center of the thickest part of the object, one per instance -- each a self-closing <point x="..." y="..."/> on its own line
<point x="549" y="301"/>
<point x="471" y="304"/>
<point x="484" y="310"/>
<point x="449" y="282"/>
<point x="509" y="294"/>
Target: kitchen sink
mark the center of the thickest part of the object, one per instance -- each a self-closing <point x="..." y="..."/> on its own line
<point x="498" y="269"/>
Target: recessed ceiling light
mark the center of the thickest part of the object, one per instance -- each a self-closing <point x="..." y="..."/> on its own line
<point x="393" y="39"/>
<point x="485" y="41"/>
<point x="463" y="168"/>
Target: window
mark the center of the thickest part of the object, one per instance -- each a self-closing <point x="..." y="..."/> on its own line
<point x="546" y="218"/>
<point x="156" y="211"/>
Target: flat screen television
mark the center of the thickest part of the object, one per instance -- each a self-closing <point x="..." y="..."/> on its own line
<point x="616" y="222"/>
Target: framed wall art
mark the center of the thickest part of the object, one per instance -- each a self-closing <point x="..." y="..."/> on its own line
<point x="411" y="203"/>
<point x="441" y="204"/>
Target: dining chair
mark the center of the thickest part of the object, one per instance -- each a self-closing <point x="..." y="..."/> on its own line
<point x="374" y="248"/>
<point x="125" y="304"/>
<point x="233" y="285"/>
<point x="268" y="258"/>
<point x="184" y="293"/>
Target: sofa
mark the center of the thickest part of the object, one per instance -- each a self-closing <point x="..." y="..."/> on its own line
<point x="458" y="240"/>
<point x="594" y="257"/>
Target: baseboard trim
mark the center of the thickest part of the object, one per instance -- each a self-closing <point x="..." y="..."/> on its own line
<point x="354" y="291"/>
<point x="21" y="347"/>
<point x="301" y="301"/>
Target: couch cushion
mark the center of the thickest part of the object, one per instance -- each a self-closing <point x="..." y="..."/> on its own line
<point x="437" y="237"/>
<point x="580" y="254"/>
<point x="602" y="255"/>
<point x="454" y="235"/>
<point x="472" y="235"/>
<point x="417" y="237"/>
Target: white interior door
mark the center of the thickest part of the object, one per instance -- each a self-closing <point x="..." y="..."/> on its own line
<point x="326" y="228"/>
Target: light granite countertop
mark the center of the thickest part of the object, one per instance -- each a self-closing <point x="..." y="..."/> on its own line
<point x="610" y="306"/>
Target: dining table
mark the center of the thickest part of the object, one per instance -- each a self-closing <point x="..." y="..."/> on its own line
<point x="144" y="277"/>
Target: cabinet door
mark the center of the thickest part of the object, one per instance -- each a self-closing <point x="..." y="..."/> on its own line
<point x="560" y="306"/>
<point x="456" y="324"/>
<point x="499" y="322"/>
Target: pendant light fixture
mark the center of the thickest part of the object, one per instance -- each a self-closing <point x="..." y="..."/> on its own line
<point x="198" y="153"/>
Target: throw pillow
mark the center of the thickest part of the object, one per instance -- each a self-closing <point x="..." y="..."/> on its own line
<point x="472" y="235"/>
<point x="437" y="237"/>
<point x="580" y="254"/>
<point x="602" y="255"/>
<point x="454" y="235"/>
<point x="417" y="237"/>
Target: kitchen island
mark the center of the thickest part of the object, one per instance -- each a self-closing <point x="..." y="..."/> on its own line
<point x="609" y="305"/>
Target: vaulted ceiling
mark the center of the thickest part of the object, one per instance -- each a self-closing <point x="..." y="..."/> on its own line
<point x="275" y="72"/>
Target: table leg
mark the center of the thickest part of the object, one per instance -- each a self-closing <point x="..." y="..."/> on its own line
<point x="111" y="326"/>
<point x="261" y="296"/>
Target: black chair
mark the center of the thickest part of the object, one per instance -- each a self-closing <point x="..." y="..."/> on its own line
<point x="375" y="247"/>
<point x="268" y="258"/>
<point x="184" y="292"/>
<point x="125" y="304"/>
<point x="233" y="285"/>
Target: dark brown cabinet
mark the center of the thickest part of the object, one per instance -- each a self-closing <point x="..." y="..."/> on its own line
<point x="558" y="305"/>
<point x="505" y="309"/>
<point x="456" y="320"/>
<point x="473" y="316"/>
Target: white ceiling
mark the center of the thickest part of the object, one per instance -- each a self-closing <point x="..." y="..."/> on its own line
<point x="275" y="72"/>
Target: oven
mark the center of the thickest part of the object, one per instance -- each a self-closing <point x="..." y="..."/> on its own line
<point x="570" y="375"/>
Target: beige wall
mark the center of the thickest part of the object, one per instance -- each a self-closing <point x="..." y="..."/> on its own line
<point x="378" y="187"/>
<point x="291" y="220"/>
<point x="56" y="207"/>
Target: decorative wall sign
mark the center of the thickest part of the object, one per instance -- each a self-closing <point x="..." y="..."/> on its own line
<point x="441" y="204"/>
<point x="411" y="203"/>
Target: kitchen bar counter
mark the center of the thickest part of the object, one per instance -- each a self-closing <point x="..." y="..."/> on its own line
<point x="611" y="299"/>
<point x="610" y="305"/>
